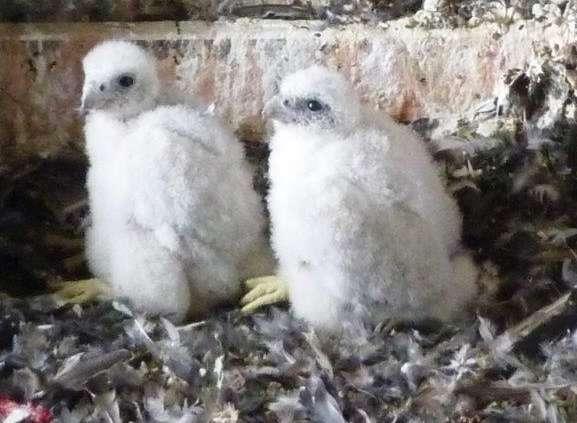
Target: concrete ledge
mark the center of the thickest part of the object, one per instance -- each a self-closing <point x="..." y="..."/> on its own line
<point x="409" y="73"/>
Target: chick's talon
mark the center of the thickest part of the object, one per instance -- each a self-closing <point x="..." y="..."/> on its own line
<point x="80" y="292"/>
<point x="263" y="291"/>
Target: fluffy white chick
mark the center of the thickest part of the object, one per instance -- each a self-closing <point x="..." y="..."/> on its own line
<point x="362" y="226"/>
<point x="176" y="224"/>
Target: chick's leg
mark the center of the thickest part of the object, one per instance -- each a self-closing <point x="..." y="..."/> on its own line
<point x="263" y="291"/>
<point x="83" y="291"/>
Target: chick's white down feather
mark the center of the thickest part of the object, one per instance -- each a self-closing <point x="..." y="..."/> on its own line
<point x="176" y="224"/>
<point x="361" y="224"/>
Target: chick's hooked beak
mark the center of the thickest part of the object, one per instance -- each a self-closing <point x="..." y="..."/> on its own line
<point x="92" y="98"/>
<point x="273" y="109"/>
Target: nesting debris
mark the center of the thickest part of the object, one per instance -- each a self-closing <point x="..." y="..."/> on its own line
<point x="105" y="362"/>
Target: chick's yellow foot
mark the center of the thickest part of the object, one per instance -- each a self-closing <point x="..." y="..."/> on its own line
<point x="263" y="291"/>
<point x="80" y="292"/>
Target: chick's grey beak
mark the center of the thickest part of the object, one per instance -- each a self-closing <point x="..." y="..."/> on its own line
<point x="82" y="110"/>
<point x="273" y="108"/>
<point x="89" y="100"/>
<point x="92" y="99"/>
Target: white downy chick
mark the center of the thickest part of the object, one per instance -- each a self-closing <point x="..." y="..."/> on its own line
<point x="361" y="223"/>
<point x="176" y="223"/>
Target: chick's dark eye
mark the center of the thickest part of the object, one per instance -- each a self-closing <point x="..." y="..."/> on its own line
<point x="314" y="106"/>
<point x="125" y="81"/>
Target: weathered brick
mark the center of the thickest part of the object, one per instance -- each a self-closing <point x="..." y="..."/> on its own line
<point x="409" y="73"/>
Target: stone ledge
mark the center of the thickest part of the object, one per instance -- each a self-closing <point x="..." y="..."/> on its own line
<point x="410" y="73"/>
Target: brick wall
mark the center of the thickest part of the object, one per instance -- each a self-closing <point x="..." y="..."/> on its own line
<point x="408" y="72"/>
